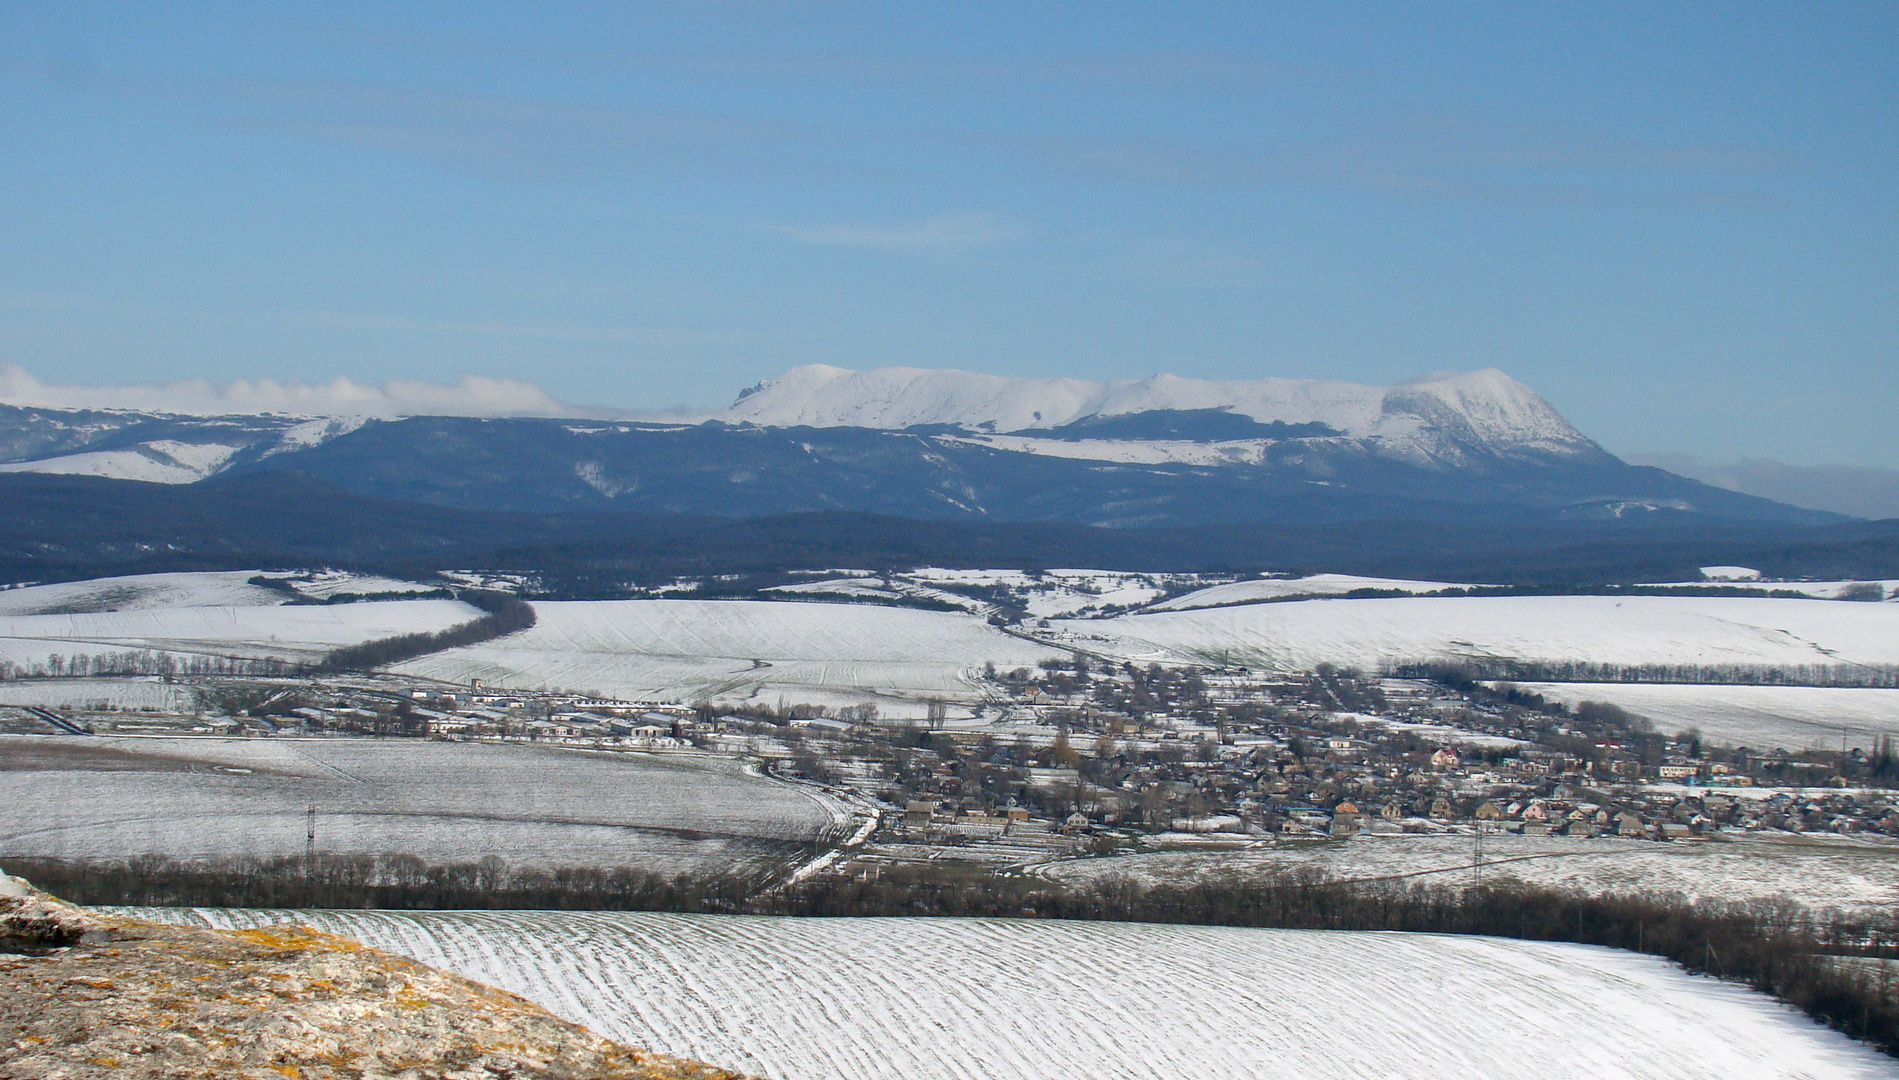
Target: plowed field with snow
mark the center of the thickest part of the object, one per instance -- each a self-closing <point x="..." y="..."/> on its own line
<point x="294" y="633"/>
<point x="1761" y="717"/>
<point x="691" y="650"/>
<point x="222" y="588"/>
<point x="1299" y="635"/>
<point x="192" y="797"/>
<point x="954" y="999"/>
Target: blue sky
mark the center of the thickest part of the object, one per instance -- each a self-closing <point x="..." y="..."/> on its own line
<point x="1676" y="222"/>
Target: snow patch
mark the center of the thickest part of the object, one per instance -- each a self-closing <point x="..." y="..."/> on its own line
<point x="161" y="461"/>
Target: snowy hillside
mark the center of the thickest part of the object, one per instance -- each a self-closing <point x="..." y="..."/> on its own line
<point x="111" y="798"/>
<point x="694" y="650"/>
<point x="223" y="588"/>
<point x="980" y="999"/>
<point x="1261" y="590"/>
<point x="161" y="461"/>
<point x="155" y="448"/>
<point x="1424" y="417"/>
<point x="1793" y="717"/>
<point x="291" y="633"/>
<point x="1300" y="635"/>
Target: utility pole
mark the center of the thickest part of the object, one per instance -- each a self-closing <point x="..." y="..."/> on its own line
<point x="309" y="857"/>
<point x="1477" y="843"/>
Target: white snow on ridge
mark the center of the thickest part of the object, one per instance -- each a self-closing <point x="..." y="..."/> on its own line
<point x="161" y="461"/>
<point x="1487" y="407"/>
<point x="1129" y="451"/>
<point x="313" y="433"/>
<point x="985" y="999"/>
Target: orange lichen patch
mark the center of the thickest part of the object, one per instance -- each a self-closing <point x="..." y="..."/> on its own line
<point x="292" y="936"/>
<point x="195" y="1004"/>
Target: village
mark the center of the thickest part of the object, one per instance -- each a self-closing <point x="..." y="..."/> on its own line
<point x="1078" y="756"/>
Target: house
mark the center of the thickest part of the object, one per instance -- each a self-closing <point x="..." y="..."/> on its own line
<point x="1630" y="823"/>
<point x="1076" y="822"/>
<point x="1445" y="758"/>
<point x="917" y="813"/>
<point x="1490" y="811"/>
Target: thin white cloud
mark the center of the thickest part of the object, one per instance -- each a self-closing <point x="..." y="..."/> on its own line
<point x="944" y="232"/>
<point x="473" y="395"/>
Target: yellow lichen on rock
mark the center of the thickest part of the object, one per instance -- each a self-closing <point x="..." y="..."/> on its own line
<point x="85" y="997"/>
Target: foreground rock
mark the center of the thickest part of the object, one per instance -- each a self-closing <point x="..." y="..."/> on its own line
<point x="85" y="996"/>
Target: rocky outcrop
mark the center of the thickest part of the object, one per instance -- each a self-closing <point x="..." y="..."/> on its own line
<point x="86" y="996"/>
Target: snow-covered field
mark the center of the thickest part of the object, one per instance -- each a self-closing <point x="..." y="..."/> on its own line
<point x="1822" y="590"/>
<point x="132" y="693"/>
<point x="734" y="650"/>
<point x="323" y="584"/>
<point x="1264" y="589"/>
<point x="107" y="797"/>
<point x="1300" y="635"/>
<point x="1056" y="594"/>
<point x="227" y="588"/>
<point x="297" y="633"/>
<point x="1793" y="717"/>
<point x="1820" y="872"/>
<point x="954" y="999"/>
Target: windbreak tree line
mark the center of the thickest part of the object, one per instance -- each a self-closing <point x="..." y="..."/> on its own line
<point x="505" y="614"/>
<point x="1466" y="672"/>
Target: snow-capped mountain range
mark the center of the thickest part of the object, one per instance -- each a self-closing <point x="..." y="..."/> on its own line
<point x="926" y="444"/>
<point x="1444" y="417"/>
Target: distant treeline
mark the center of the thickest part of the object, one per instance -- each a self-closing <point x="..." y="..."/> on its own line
<point x="1807" y="959"/>
<point x="1882" y="676"/>
<point x="142" y="662"/>
<point x="506" y="613"/>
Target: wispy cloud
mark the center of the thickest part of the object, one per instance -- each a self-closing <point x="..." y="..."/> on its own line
<point x="1423" y="156"/>
<point x="511" y="136"/>
<point x="943" y="232"/>
<point x="472" y="395"/>
<point x="94" y="309"/>
<point x="1129" y="70"/>
<point x="1440" y="156"/>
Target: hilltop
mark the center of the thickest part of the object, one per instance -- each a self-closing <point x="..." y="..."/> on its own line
<point x="90" y="996"/>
